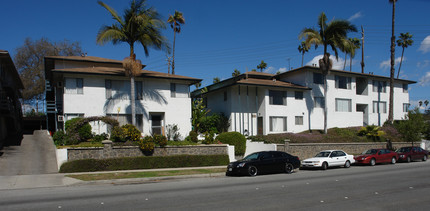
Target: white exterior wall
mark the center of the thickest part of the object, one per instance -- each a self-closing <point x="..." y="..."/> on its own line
<point x="156" y="99"/>
<point x="243" y="109"/>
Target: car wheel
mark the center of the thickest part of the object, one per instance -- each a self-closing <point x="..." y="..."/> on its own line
<point x="393" y="160"/>
<point x="252" y="171"/>
<point x="372" y="162"/>
<point x="289" y="168"/>
<point x="347" y="164"/>
<point x="424" y="157"/>
<point x="408" y="159"/>
<point x="324" y="166"/>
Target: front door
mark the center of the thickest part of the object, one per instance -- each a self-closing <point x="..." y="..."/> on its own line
<point x="260" y="125"/>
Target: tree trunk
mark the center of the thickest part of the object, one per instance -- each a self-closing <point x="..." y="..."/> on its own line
<point x="400" y="65"/>
<point x="132" y="93"/>
<point x="350" y="64"/>
<point x="392" y="71"/>
<point x="344" y="64"/>
<point x="173" y="52"/>
<point x="325" y="104"/>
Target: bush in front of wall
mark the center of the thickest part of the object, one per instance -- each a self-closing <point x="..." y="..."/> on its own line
<point x="117" y="134"/>
<point x="59" y="138"/>
<point x="147" y="144"/>
<point x="99" y="137"/>
<point x="236" y="139"/>
<point x="83" y="130"/>
<point x="143" y="162"/>
<point x="193" y="137"/>
<point x="160" y="140"/>
<point x="131" y="133"/>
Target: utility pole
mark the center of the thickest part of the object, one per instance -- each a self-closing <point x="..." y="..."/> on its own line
<point x="362" y="49"/>
<point x="289" y="67"/>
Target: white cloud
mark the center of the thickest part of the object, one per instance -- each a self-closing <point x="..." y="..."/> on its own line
<point x="423" y="64"/>
<point x="355" y="16"/>
<point x="387" y="63"/>
<point x="273" y="70"/>
<point x="425" y="80"/>
<point x="337" y="64"/>
<point x="425" y="45"/>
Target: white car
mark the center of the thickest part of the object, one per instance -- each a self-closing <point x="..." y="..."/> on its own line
<point x="329" y="158"/>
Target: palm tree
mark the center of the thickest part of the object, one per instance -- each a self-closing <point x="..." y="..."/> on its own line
<point x="332" y="34"/>
<point x="354" y="45"/>
<point x="216" y="80"/>
<point x="404" y="41"/>
<point x="175" y="22"/>
<point x="138" y="24"/>
<point x="303" y="49"/>
<point x="262" y="66"/>
<point x="392" y="71"/>
<point x="235" y="73"/>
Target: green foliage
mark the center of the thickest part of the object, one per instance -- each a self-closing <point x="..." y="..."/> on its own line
<point x="172" y="132"/>
<point x="209" y="138"/>
<point x="199" y="112"/>
<point x="193" y="137"/>
<point x="99" y="138"/>
<point x="59" y="138"/>
<point x="147" y="144"/>
<point x="413" y="127"/>
<point x="144" y="162"/>
<point x="181" y="143"/>
<point x="131" y="133"/>
<point x="216" y="122"/>
<point x="117" y="134"/>
<point x="372" y="132"/>
<point x="160" y="140"/>
<point x="234" y="138"/>
<point x="82" y="127"/>
<point x="262" y="66"/>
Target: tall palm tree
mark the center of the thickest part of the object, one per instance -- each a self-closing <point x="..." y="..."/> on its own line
<point x="235" y="73"/>
<point x="333" y="34"/>
<point x="216" y="80"/>
<point x="262" y="66"/>
<point x="138" y="24"/>
<point x="355" y="44"/>
<point x="303" y="48"/>
<point x="175" y="22"/>
<point x="404" y="41"/>
<point x="392" y="71"/>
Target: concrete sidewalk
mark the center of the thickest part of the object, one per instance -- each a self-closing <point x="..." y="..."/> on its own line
<point x="61" y="180"/>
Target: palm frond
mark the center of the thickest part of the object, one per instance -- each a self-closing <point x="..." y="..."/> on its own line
<point x="110" y="34"/>
<point x="112" y="12"/>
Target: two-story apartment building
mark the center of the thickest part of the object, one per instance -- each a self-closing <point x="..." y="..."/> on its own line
<point x="10" y="106"/>
<point x="293" y="101"/>
<point x="93" y="86"/>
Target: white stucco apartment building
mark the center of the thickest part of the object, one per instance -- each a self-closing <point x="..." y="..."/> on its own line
<point x="93" y="86"/>
<point x="260" y="103"/>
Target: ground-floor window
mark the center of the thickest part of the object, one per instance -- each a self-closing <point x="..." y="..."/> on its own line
<point x="278" y="124"/>
<point x="406" y="107"/>
<point x="124" y="119"/>
<point x="343" y="105"/>
<point x="379" y="107"/>
<point x="299" y="120"/>
<point x="157" y="123"/>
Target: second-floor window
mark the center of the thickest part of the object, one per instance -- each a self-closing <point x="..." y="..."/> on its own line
<point x="277" y="97"/>
<point x="406" y="107"/>
<point x="405" y="88"/>
<point x="172" y="90"/>
<point x="318" y="78"/>
<point x="74" y="86"/>
<point x="379" y="86"/>
<point x="343" y="82"/>
<point x="298" y="95"/>
<point x="120" y="89"/>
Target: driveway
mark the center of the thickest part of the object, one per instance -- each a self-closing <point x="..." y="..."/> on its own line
<point x="36" y="155"/>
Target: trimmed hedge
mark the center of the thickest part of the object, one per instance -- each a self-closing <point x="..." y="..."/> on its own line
<point x="130" y="163"/>
<point x="234" y="138"/>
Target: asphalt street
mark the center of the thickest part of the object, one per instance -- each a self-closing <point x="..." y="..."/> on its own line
<point x="403" y="186"/>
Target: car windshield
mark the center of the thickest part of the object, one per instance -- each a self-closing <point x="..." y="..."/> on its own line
<point x="323" y="154"/>
<point x="370" y="152"/>
<point x="252" y="156"/>
<point x="404" y="149"/>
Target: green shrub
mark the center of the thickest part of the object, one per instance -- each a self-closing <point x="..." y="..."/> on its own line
<point x="172" y="132"/>
<point x="99" y="137"/>
<point x="131" y="133"/>
<point x="372" y="132"/>
<point x="193" y="137"/>
<point x="181" y="143"/>
<point x="236" y="139"/>
<point x="117" y="134"/>
<point x="160" y="140"/>
<point x="84" y="131"/>
<point x="147" y="144"/>
<point x="59" y="138"/>
<point x="143" y="162"/>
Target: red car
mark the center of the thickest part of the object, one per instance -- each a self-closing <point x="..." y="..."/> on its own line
<point x="374" y="156"/>
<point x="412" y="153"/>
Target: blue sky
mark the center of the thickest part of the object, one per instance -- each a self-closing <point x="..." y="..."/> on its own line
<point x="223" y="35"/>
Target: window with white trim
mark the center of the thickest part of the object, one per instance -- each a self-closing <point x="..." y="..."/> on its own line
<point x="406" y="107"/>
<point x="74" y="86"/>
<point x="343" y="82"/>
<point x="299" y="120"/>
<point x="379" y="107"/>
<point x="277" y="97"/>
<point x="379" y="86"/>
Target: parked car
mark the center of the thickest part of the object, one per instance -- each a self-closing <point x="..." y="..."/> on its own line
<point x="264" y="162"/>
<point x="374" y="156"/>
<point x="329" y="158"/>
<point x="412" y="153"/>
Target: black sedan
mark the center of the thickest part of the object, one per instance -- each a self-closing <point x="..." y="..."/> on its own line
<point x="264" y="162"/>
